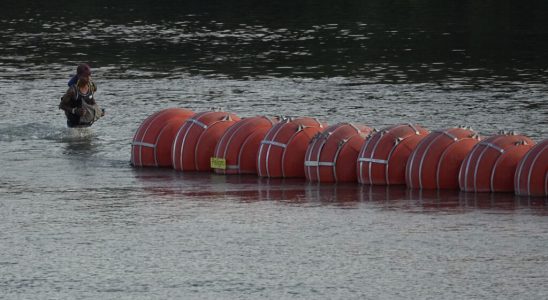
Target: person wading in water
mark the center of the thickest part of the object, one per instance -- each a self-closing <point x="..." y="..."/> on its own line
<point x="79" y="102"/>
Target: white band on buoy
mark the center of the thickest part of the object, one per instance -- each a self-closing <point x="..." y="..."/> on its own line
<point x="311" y="163"/>
<point x="273" y="143"/>
<point x="143" y="144"/>
<point x="373" y="160"/>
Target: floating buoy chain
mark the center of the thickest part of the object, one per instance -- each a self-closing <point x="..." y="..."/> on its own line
<point x="398" y="154"/>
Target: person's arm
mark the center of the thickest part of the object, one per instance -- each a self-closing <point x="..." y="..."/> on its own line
<point x="66" y="101"/>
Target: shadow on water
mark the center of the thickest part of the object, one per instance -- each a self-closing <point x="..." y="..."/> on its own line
<point x="167" y="183"/>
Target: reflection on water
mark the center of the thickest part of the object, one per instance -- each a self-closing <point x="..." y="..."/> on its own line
<point x="201" y="186"/>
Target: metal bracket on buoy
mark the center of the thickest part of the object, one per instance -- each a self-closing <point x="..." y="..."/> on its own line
<point x="342" y="142"/>
<point x="507" y="132"/>
<point x="364" y="135"/>
<point x="319" y="123"/>
<point x="521" y="143"/>
<point x="301" y="127"/>
<point x="227" y="118"/>
<point x="197" y="123"/>
<point x="465" y="127"/>
<point x="284" y="119"/>
<point x="354" y="126"/>
<point x="316" y="137"/>
<point x="414" y="128"/>
<point x="491" y="145"/>
<point x="474" y="135"/>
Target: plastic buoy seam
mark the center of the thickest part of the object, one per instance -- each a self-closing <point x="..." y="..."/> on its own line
<point x="517" y="176"/>
<point x="293" y="136"/>
<point x="267" y="162"/>
<point x="387" y="178"/>
<point x="156" y="148"/>
<point x="531" y="170"/>
<point x="233" y="132"/>
<point x="488" y="145"/>
<point x="339" y="148"/>
<point x="242" y="147"/>
<point x="154" y="117"/>
<point x="183" y="144"/>
<point x="424" y="156"/>
<point x="324" y="142"/>
<point x="373" y="155"/>
<point x="468" y="160"/>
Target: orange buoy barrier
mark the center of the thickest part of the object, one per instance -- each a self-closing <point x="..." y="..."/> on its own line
<point x="152" y="143"/>
<point x="196" y="139"/>
<point x="238" y="147"/>
<point x="332" y="154"/>
<point x="435" y="162"/>
<point x="384" y="155"/>
<point x="531" y="177"/>
<point x="282" y="150"/>
<point x="491" y="164"/>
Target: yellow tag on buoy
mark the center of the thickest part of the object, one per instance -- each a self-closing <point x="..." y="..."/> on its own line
<point x="218" y="163"/>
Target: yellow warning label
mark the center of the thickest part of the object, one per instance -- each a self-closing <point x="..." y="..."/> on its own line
<point x="218" y="163"/>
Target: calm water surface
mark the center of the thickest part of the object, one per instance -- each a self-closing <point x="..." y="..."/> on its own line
<point x="77" y="221"/>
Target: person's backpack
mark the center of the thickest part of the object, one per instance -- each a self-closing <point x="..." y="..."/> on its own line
<point x="73" y="80"/>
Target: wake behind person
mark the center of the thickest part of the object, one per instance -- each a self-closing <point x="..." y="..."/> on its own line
<point x="79" y="101"/>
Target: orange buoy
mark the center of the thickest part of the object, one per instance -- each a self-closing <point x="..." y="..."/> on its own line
<point x="152" y="143"/>
<point x="435" y="162"/>
<point x="239" y="145"/>
<point x="332" y="154"/>
<point x="491" y="164"/>
<point x="531" y="177"/>
<point x="384" y="155"/>
<point x="282" y="150"/>
<point x="196" y="139"/>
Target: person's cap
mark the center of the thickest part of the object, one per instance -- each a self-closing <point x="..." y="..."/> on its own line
<point x="83" y="70"/>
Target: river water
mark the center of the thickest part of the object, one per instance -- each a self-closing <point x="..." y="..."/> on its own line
<point x="77" y="221"/>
